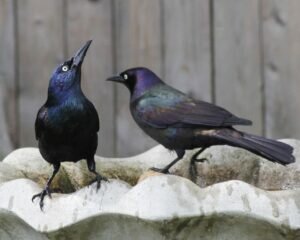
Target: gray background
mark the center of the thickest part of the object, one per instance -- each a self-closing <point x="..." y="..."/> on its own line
<point x="241" y="54"/>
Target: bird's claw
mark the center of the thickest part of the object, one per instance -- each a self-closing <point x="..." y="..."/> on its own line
<point x="98" y="179"/>
<point x="160" y="170"/>
<point x="200" y="160"/>
<point x="42" y="195"/>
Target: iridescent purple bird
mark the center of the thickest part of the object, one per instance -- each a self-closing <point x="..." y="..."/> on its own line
<point x="179" y="122"/>
<point x="66" y="125"/>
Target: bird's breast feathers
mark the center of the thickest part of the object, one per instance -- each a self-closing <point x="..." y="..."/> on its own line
<point x="71" y="115"/>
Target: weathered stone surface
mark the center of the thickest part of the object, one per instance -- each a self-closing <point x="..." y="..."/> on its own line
<point x="223" y="163"/>
<point x="147" y="174"/>
<point x="62" y="209"/>
<point x="9" y="172"/>
<point x="14" y="228"/>
<point x="30" y="163"/>
<point x="141" y="204"/>
<point x="160" y="207"/>
<point x="73" y="176"/>
<point x="227" y="163"/>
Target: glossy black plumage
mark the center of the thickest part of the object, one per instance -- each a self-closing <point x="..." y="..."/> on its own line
<point x="67" y="124"/>
<point x="179" y="122"/>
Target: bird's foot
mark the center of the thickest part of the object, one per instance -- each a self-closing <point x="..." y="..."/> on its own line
<point x="193" y="168"/>
<point x="98" y="179"/>
<point x="160" y="170"/>
<point x="42" y="195"/>
<point x="200" y="160"/>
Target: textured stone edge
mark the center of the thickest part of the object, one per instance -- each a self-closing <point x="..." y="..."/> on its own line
<point x="170" y="228"/>
<point x="232" y="198"/>
<point x="125" y="208"/>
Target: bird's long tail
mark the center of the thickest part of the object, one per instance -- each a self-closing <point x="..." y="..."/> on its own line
<point x="272" y="150"/>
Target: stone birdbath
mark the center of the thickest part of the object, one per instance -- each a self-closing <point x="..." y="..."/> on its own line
<point x="236" y="195"/>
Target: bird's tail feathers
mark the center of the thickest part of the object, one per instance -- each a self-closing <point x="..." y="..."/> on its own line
<point x="272" y="150"/>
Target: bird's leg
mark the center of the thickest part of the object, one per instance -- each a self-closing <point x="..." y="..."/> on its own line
<point x="46" y="190"/>
<point x="192" y="168"/>
<point x="194" y="157"/>
<point x="180" y="154"/>
<point x="92" y="168"/>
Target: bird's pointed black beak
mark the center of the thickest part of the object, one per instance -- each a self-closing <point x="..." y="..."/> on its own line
<point x="80" y="54"/>
<point x="116" y="79"/>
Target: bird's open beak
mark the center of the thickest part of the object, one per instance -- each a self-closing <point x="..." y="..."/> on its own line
<point x="116" y="79"/>
<point x="79" y="56"/>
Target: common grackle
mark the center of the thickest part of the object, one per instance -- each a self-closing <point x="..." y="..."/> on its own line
<point x="179" y="122"/>
<point x="66" y="125"/>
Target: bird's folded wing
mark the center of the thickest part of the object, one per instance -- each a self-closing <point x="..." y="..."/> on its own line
<point x="41" y="120"/>
<point x="162" y="111"/>
<point x="93" y="117"/>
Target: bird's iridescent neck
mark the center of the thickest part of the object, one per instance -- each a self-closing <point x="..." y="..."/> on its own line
<point x="57" y="96"/>
<point x="142" y="85"/>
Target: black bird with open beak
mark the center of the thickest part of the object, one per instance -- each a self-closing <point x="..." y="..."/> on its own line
<point x="66" y="125"/>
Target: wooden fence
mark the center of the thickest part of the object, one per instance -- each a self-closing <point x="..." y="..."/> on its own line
<point x="241" y="54"/>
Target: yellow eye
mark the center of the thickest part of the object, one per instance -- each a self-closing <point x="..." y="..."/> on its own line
<point x="65" y="68"/>
<point x="125" y="76"/>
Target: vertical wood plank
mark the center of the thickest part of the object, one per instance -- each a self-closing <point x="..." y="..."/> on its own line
<point x="40" y="50"/>
<point x="238" y="78"/>
<point x="138" y="43"/>
<point x="187" y="53"/>
<point x="93" y="20"/>
<point x="8" y="87"/>
<point x="281" y="34"/>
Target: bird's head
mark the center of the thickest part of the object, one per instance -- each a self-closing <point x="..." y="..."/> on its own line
<point x="137" y="80"/>
<point x="67" y="76"/>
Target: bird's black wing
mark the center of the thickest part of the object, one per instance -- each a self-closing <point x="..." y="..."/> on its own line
<point x="41" y="121"/>
<point x="166" y="106"/>
<point x="93" y="115"/>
